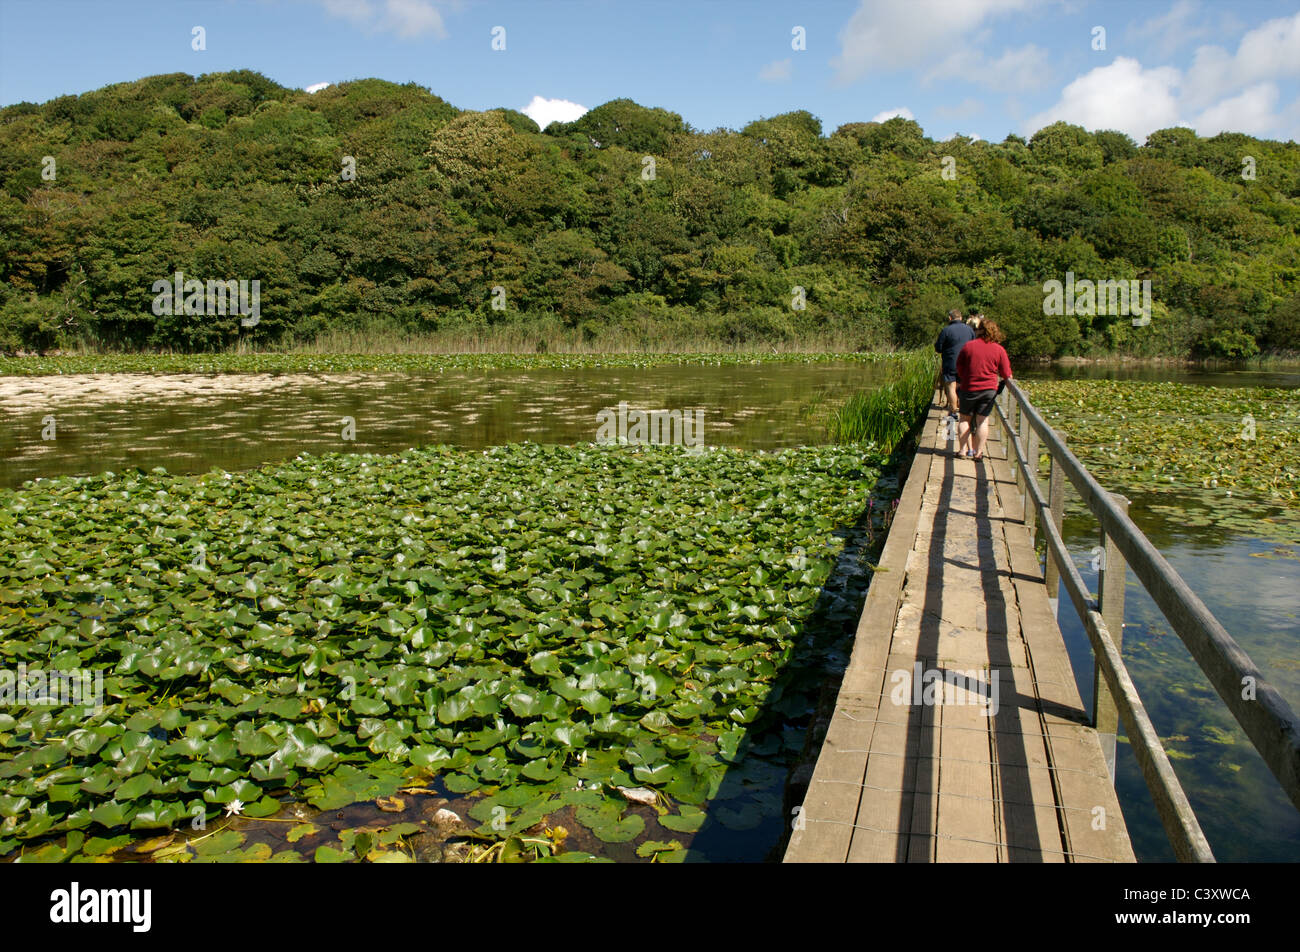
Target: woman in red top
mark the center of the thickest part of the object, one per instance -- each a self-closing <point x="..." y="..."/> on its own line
<point x="982" y="370"/>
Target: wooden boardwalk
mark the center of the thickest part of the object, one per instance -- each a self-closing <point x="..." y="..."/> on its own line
<point x="992" y="762"/>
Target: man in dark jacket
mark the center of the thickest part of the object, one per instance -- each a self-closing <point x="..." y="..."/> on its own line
<point x="949" y="344"/>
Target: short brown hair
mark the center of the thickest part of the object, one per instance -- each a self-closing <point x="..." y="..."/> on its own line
<point x="990" y="331"/>
<point x="954" y="314"/>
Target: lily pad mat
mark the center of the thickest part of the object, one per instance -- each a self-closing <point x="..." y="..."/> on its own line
<point x="514" y="621"/>
<point x="1219" y="456"/>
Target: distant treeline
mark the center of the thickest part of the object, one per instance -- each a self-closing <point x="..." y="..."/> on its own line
<point x="370" y="208"/>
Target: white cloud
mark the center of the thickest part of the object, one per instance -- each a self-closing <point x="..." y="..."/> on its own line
<point x="545" y="111"/>
<point x="777" y="70"/>
<point x="1270" y="51"/>
<point x="316" y="87"/>
<point x="902" y="113"/>
<point x="1163" y="35"/>
<point x="1250" y="112"/>
<point x="887" y="35"/>
<point x="1121" y="96"/>
<point x="406" y="18"/>
<point x="411" y="18"/>
<point x="1221" y="92"/>
<point x="1022" y="68"/>
<point x="358" y="11"/>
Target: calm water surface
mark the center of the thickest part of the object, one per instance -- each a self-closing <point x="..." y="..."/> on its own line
<point x="190" y="428"/>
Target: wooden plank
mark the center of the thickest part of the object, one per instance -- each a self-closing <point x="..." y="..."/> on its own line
<point x="941" y="780"/>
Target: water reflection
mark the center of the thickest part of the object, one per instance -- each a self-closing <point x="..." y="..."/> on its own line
<point x="192" y="424"/>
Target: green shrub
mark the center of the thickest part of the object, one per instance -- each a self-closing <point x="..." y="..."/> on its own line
<point x="29" y="323"/>
<point x="1231" y="344"/>
<point x="1031" y="334"/>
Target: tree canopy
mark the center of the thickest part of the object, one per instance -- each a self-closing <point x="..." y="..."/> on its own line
<point x="374" y="205"/>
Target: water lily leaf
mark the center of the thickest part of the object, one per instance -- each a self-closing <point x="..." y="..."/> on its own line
<point x="111" y="814"/>
<point x="388" y="856"/>
<point x="654" y="775"/>
<point x="100" y="845"/>
<point x="540" y="770"/>
<point x="651" y="847"/>
<point x="266" y="806"/>
<point x="593" y="702"/>
<point x="620" y="831"/>
<point x="688" y="820"/>
<point x="316" y="757"/>
<point x="302" y="829"/>
<point x="428" y="756"/>
<point x="454" y="709"/>
<point x="136" y="786"/>
<point x="155" y="843"/>
<point x="214" y="844"/>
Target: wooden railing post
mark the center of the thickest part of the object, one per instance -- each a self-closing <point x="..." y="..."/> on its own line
<point x="1029" y="437"/>
<point x="1110" y="594"/>
<point x="1056" y="504"/>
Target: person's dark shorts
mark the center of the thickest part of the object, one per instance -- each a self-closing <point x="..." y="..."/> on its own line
<point x="977" y="402"/>
<point x="950" y="377"/>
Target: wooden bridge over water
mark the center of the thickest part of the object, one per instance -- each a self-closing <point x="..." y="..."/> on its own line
<point x="959" y="734"/>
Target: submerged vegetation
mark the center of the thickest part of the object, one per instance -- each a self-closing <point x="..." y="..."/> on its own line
<point x="1221" y="455"/>
<point x="634" y="638"/>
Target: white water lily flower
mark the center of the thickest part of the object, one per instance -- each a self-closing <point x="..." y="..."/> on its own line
<point x="234" y="808"/>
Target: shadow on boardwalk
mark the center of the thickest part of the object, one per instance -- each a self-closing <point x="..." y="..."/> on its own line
<point x="958" y="734"/>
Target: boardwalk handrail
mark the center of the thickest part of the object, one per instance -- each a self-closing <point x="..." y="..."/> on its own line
<point x="1263" y="714"/>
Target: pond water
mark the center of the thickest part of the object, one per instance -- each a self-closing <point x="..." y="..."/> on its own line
<point x="1251" y="583"/>
<point x="195" y="423"/>
<point x="1253" y="587"/>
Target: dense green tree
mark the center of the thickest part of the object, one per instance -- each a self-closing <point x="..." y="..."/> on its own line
<point x="375" y="207"/>
<point x="626" y="124"/>
<point x="1031" y="333"/>
<point x="1067" y="146"/>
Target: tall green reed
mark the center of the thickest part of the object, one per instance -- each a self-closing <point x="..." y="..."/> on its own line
<point x="886" y="414"/>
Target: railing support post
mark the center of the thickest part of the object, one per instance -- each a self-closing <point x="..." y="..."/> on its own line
<point x="1029" y="438"/>
<point x="1110" y="593"/>
<point x="1014" y="417"/>
<point x="1056" y="507"/>
<point x="1007" y="403"/>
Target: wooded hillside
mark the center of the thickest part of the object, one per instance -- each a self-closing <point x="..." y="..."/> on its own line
<point x="624" y="222"/>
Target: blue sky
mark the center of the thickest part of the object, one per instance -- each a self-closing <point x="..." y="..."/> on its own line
<point x="978" y="67"/>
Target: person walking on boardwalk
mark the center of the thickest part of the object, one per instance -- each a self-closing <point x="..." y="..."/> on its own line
<point x="949" y="344"/>
<point x="982" y="371"/>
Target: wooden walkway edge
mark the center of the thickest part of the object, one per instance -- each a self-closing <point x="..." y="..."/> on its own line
<point x="958" y="734"/>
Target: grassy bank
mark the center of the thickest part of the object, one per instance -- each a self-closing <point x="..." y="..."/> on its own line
<point x="265" y="362"/>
